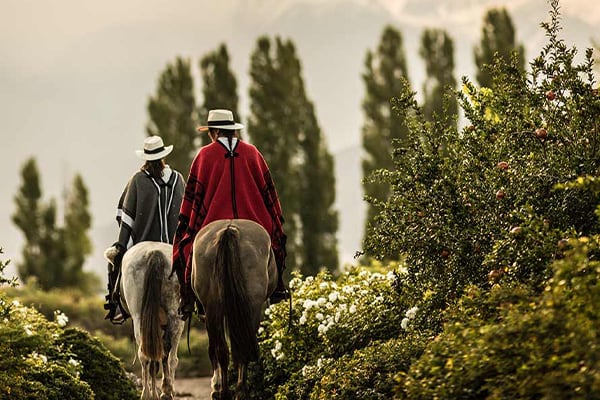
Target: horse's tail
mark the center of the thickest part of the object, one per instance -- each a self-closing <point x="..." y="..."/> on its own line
<point x="235" y="310"/>
<point x="152" y="342"/>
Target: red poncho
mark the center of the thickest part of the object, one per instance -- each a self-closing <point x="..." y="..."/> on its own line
<point x="228" y="185"/>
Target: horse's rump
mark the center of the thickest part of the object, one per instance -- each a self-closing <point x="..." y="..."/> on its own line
<point x="232" y="275"/>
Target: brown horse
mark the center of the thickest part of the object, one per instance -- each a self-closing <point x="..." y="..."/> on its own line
<point x="233" y="274"/>
<point x="152" y="300"/>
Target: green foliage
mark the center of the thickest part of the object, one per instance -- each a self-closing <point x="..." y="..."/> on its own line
<point x="36" y="363"/>
<point x="219" y="89"/>
<point x="172" y="113"/>
<point x="282" y="124"/>
<point x="510" y="343"/>
<point x="77" y="242"/>
<point x="385" y="76"/>
<point x="498" y="44"/>
<point x="53" y="255"/>
<point x="100" y="369"/>
<point x="84" y="311"/>
<point x="319" y="219"/>
<point x="331" y="319"/>
<point x="437" y="51"/>
<point x="44" y="360"/>
<point x="469" y="206"/>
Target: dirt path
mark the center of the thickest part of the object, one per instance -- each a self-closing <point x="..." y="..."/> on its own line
<point x="192" y="388"/>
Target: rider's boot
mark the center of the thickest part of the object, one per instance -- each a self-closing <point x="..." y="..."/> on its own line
<point x="187" y="299"/>
<point x="116" y="314"/>
<point x="281" y="292"/>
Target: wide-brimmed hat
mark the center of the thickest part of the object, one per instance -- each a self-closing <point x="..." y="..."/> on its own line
<point x="154" y="149"/>
<point x="222" y="119"/>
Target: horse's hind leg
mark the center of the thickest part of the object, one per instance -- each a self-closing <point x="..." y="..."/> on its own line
<point x="168" y="367"/>
<point x="147" y="390"/>
<point x="241" y="389"/>
<point x="219" y="357"/>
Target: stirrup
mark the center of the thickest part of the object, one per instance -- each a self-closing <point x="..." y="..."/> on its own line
<point x="278" y="296"/>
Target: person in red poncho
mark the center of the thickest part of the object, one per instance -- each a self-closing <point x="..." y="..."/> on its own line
<point x="228" y="179"/>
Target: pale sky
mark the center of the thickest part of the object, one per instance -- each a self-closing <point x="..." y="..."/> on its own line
<point x="75" y="77"/>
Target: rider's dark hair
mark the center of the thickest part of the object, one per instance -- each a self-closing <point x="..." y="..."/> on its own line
<point x="154" y="168"/>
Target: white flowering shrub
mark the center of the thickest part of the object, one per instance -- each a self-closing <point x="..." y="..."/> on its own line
<point x="42" y="358"/>
<point x="330" y="319"/>
<point x="36" y="363"/>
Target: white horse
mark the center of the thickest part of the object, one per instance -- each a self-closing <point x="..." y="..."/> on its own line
<point x="152" y="300"/>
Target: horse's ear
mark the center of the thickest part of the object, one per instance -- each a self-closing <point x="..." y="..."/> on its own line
<point x="110" y="254"/>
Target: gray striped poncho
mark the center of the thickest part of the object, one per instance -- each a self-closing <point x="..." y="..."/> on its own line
<point x="149" y="208"/>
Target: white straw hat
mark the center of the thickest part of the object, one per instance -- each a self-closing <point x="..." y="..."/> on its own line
<point x="154" y="149"/>
<point x="222" y="119"/>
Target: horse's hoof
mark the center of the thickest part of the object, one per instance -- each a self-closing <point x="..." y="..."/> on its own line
<point x="166" y="396"/>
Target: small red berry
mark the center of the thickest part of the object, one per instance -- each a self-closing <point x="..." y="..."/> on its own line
<point x="542" y="133"/>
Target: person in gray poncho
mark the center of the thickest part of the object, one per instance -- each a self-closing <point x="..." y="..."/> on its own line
<point x="148" y="209"/>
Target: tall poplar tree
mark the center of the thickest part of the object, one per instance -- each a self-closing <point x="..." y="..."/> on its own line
<point x="283" y="126"/>
<point x="172" y="112"/>
<point x="27" y="217"/>
<point x="219" y="86"/>
<point x="498" y="40"/>
<point x="317" y="213"/>
<point x="384" y="77"/>
<point x="53" y="255"/>
<point x="437" y="51"/>
<point x="78" y="221"/>
<point x="44" y="252"/>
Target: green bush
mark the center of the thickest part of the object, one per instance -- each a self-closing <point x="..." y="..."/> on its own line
<point x="368" y="373"/>
<point x="330" y="319"/>
<point x="35" y="364"/>
<point x="41" y="359"/>
<point x="100" y="369"/>
<point x="506" y="343"/>
<point x="458" y="197"/>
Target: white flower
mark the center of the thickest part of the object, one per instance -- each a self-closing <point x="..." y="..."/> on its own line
<point x="411" y="313"/>
<point x="261" y="330"/>
<point x="321" y="301"/>
<point x="74" y="362"/>
<point x="40" y="357"/>
<point x="348" y="289"/>
<point x="61" y="319"/>
<point x="352" y="309"/>
<point x="319" y="316"/>
<point x="308" y="304"/>
<point x="28" y="330"/>
<point x="295" y="283"/>
<point x="322" y="329"/>
<point x="16" y="303"/>
<point x="303" y="319"/>
<point x="323" y="285"/>
<point x="306" y="370"/>
<point x="333" y="296"/>
<point x="278" y="345"/>
<point x="337" y="316"/>
<point x="404" y="323"/>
